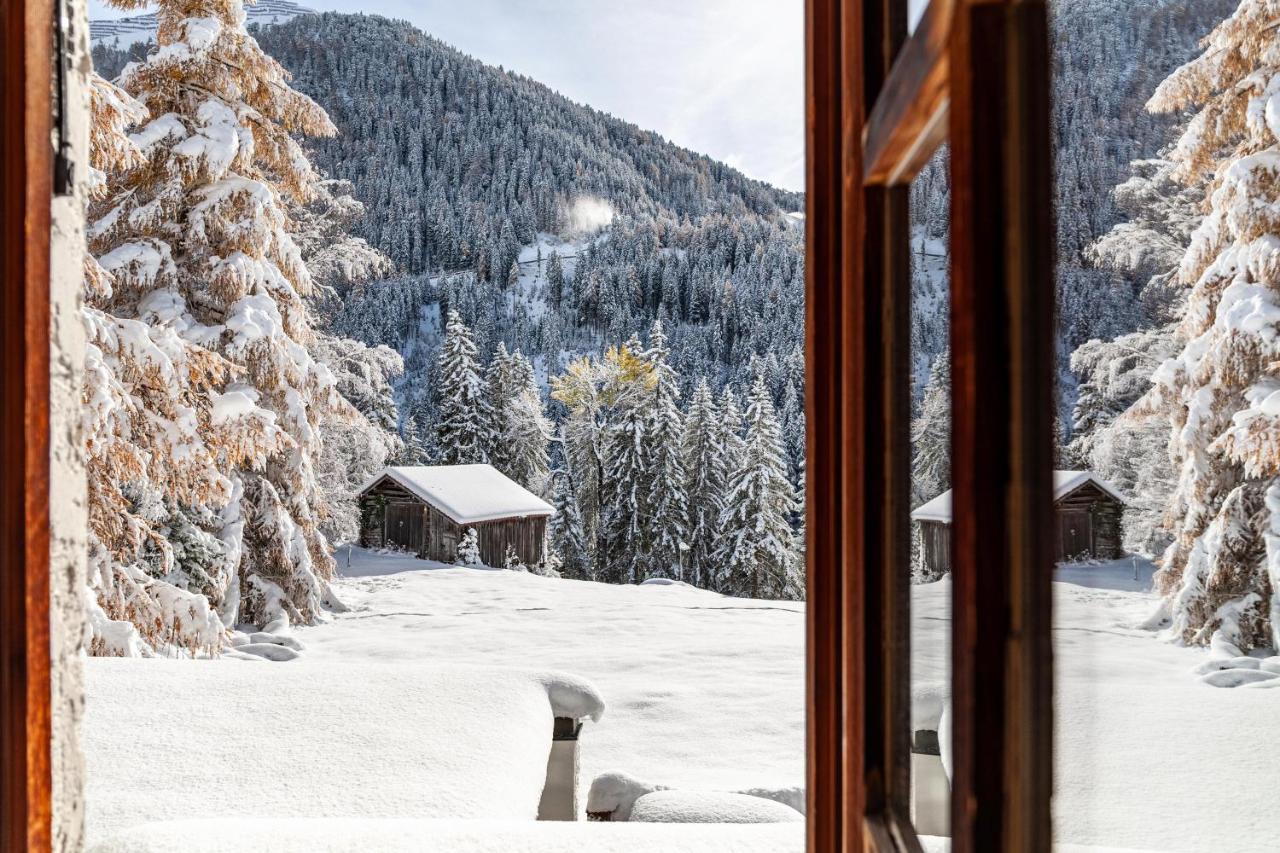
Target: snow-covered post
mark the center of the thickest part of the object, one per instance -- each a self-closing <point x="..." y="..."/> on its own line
<point x="560" y="794"/>
<point x="930" y="790"/>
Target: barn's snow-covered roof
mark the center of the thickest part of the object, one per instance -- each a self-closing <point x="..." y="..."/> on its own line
<point x="1064" y="483"/>
<point x="468" y="494"/>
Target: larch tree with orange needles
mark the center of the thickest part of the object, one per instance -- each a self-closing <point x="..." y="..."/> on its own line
<point x="1221" y="574"/>
<point x="193" y="231"/>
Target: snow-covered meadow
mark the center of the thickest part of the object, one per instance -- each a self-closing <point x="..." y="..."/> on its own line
<point x="702" y="692"/>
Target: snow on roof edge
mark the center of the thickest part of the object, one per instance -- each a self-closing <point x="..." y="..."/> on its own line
<point x="1064" y="483"/>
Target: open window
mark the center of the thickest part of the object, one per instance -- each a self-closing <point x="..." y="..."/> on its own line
<point x="886" y="90"/>
<point x="882" y="100"/>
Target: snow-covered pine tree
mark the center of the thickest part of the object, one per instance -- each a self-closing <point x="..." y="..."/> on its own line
<point x="757" y="556"/>
<point x="706" y="481"/>
<point x="464" y="429"/>
<point x="582" y="440"/>
<point x="152" y="574"/>
<point x="527" y="436"/>
<point x="931" y="435"/>
<point x="729" y="437"/>
<point x="1221" y="575"/>
<point x="628" y="464"/>
<point x="1114" y="429"/>
<point x="357" y="446"/>
<point x="667" y="502"/>
<point x="605" y="454"/>
<point x="568" y="538"/>
<point x="500" y="382"/>
<point x="197" y="238"/>
<point x="792" y="420"/>
<point x="555" y="280"/>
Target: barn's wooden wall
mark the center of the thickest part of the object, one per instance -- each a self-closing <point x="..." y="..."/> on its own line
<point x="936" y="539"/>
<point x="392" y="517"/>
<point x="1086" y="525"/>
<point x="1100" y="513"/>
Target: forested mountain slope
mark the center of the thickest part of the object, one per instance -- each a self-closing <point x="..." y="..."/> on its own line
<point x="457" y="160"/>
<point x="473" y="177"/>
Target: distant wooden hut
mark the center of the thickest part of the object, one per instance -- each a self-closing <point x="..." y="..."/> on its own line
<point x="426" y="510"/>
<point x="1087" y="515"/>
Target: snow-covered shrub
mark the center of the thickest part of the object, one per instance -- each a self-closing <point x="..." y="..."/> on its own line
<point x="469" y="549"/>
<point x="511" y="561"/>
<point x="549" y="565"/>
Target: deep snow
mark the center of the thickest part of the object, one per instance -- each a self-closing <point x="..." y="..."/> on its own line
<point x="704" y="693"/>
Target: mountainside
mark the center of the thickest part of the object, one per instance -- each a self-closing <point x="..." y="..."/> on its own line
<point x="451" y="155"/>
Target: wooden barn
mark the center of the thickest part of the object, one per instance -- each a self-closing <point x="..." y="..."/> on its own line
<point x="1087" y="514"/>
<point x="426" y="510"/>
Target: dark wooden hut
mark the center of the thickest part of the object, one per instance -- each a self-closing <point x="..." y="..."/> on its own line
<point x="1087" y="515"/>
<point x="426" y="510"/>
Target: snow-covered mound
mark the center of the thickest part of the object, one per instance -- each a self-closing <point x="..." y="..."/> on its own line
<point x="312" y="739"/>
<point x="125" y="32"/>
<point x="710" y="807"/>
<point x="428" y="836"/>
<point x="705" y="692"/>
<point x="614" y="796"/>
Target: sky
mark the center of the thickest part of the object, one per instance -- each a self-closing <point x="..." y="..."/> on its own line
<point x="722" y="77"/>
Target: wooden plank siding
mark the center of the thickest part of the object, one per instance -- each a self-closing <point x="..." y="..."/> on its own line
<point x="392" y="517"/>
<point x="1087" y="525"/>
<point x="935" y="539"/>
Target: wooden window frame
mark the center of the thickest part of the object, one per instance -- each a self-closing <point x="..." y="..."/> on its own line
<point x="26" y="189"/>
<point x="878" y="103"/>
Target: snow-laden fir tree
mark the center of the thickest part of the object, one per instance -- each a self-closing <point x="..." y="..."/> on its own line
<point x="628" y="463"/>
<point x="500" y="383"/>
<point x="197" y="239"/>
<point x="1121" y="437"/>
<point x="757" y="557"/>
<point x="511" y="560"/>
<point x="527" y="435"/>
<point x="522" y="432"/>
<point x="705" y="483"/>
<point x="555" y="280"/>
<point x="568" y="538"/>
<point x="1221" y="575"/>
<point x="605" y="454"/>
<point x="583" y="392"/>
<point x="668" y="511"/>
<point x="358" y="446"/>
<point x="464" y="430"/>
<point x="931" y="435"/>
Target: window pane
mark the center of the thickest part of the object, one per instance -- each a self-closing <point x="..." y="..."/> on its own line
<point x="1164" y="629"/>
<point x="931" y="500"/>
